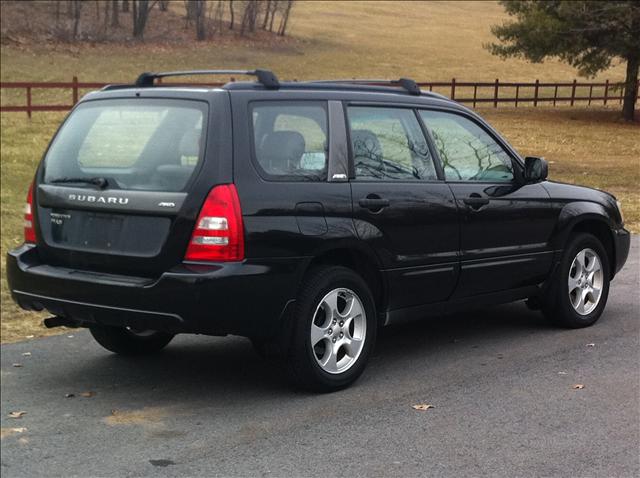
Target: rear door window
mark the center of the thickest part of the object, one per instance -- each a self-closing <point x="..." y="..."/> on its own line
<point x="141" y="144"/>
<point x="388" y="145"/>
<point x="290" y="139"/>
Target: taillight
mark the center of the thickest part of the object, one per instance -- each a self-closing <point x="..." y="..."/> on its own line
<point x="29" y="231"/>
<point x="218" y="234"/>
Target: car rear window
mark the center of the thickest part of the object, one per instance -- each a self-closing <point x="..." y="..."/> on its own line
<point x="141" y="144"/>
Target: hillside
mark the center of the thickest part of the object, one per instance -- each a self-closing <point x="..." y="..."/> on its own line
<point x="426" y="40"/>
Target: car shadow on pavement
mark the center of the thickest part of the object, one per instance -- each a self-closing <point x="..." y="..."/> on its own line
<point x="192" y="367"/>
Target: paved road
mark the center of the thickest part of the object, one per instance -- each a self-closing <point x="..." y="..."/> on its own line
<point x="500" y="380"/>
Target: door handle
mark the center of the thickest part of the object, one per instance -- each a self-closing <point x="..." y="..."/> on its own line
<point x="373" y="203"/>
<point x="475" y="201"/>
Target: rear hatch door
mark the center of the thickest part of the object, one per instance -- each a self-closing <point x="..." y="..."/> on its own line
<point x="117" y="191"/>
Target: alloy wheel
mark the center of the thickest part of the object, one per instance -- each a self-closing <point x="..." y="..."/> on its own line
<point x="338" y="330"/>
<point x="585" y="281"/>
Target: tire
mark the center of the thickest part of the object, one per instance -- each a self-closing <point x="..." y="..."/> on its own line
<point x="343" y="339"/>
<point x="584" y="268"/>
<point x="123" y="341"/>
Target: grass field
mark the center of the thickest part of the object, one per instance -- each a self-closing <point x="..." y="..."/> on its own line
<point x="432" y="41"/>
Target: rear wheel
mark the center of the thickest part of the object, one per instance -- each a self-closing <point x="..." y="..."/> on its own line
<point x="129" y="341"/>
<point x="579" y="289"/>
<point x="334" y="330"/>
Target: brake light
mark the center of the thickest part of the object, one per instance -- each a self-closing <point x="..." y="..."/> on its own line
<point x="29" y="230"/>
<point x="219" y="233"/>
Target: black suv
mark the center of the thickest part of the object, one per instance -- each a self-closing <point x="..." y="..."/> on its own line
<point x="303" y="215"/>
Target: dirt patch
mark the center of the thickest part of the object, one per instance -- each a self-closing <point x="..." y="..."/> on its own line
<point x="146" y="417"/>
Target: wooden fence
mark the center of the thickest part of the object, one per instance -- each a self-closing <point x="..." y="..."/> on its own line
<point x="471" y="93"/>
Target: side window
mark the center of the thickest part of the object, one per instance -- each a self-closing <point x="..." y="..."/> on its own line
<point x="467" y="151"/>
<point x="290" y="139"/>
<point x="388" y="144"/>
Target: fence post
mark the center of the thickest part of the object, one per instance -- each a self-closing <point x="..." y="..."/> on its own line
<point x="495" y="94"/>
<point x="29" y="102"/>
<point x="555" y="95"/>
<point x="606" y="91"/>
<point x="573" y="91"/>
<point x="75" y="89"/>
<point x="475" y="94"/>
<point x="453" y="88"/>
<point x="624" y="89"/>
<point x="590" y="94"/>
<point x="535" y="93"/>
<point x="517" y="94"/>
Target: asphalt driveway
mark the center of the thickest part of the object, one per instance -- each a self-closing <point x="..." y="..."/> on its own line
<point x="501" y="382"/>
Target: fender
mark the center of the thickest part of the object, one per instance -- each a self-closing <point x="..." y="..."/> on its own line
<point x="574" y="213"/>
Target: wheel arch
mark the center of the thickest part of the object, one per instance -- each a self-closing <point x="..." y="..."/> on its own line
<point x="589" y="218"/>
<point x="359" y="259"/>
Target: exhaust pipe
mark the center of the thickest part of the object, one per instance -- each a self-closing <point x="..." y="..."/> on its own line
<point x="57" y="321"/>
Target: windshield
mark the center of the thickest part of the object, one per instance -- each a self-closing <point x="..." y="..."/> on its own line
<point x="139" y="144"/>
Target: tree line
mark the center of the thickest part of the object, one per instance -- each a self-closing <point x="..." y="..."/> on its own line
<point x="205" y="17"/>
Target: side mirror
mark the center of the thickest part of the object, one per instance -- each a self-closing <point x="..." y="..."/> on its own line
<point x="535" y="169"/>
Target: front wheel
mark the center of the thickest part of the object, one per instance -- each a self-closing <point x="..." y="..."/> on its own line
<point x="334" y="330"/>
<point x="129" y="341"/>
<point x="579" y="289"/>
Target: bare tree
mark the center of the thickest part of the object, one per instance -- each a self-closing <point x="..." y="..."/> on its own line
<point x="231" y="14"/>
<point x="115" y="19"/>
<point x="125" y="6"/>
<point x="77" y="10"/>
<point x="249" y="17"/>
<point x="189" y="13"/>
<point x="266" y="15"/>
<point x="218" y="16"/>
<point x="105" y="26"/>
<point x="274" y="8"/>
<point x="164" y="5"/>
<point x="285" y="18"/>
<point x="140" y="14"/>
<point x="200" y="13"/>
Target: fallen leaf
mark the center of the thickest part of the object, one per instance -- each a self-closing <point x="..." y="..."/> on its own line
<point x="29" y="336"/>
<point x="88" y="394"/>
<point x="16" y="364"/>
<point x="70" y="336"/>
<point x="578" y="386"/>
<point x="562" y="373"/>
<point x="422" y="407"/>
<point x="17" y="414"/>
<point x="26" y="354"/>
<point x="7" y="432"/>
<point x="69" y="395"/>
<point x="591" y="345"/>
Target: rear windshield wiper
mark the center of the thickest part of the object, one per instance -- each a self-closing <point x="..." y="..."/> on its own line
<point x="100" y="182"/>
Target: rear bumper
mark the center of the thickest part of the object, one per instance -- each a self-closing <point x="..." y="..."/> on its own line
<point x="622" y="242"/>
<point x="245" y="298"/>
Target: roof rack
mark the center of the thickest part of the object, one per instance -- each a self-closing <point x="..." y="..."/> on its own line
<point x="406" y="83"/>
<point x="266" y="77"/>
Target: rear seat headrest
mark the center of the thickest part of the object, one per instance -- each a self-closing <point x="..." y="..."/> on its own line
<point x="282" y="150"/>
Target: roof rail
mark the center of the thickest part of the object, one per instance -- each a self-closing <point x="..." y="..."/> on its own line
<point x="266" y="77"/>
<point x="406" y="83"/>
